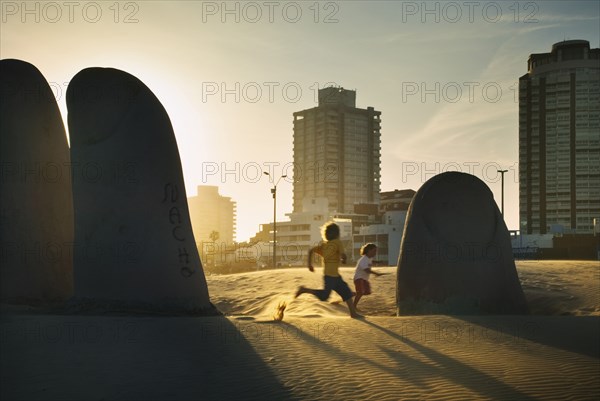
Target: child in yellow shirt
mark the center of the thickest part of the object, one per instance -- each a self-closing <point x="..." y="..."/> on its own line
<point x="332" y="252"/>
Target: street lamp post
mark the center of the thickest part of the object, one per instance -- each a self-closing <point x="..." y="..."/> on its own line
<point x="274" y="192"/>
<point x="502" y="196"/>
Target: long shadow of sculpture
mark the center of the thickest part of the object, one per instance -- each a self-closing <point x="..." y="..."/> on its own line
<point x="456" y="256"/>
<point x="36" y="226"/>
<point x="136" y="247"/>
<point x="582" y="335"/>
<point x="133" y="358"/>
<point x="450" y="368"/>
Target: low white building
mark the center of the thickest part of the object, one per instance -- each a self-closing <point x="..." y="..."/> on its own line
<point x="527" y="246"/>
<point x="258" y="253"/>
<point x="387" y="236"/>
<point x="298" y="234"/>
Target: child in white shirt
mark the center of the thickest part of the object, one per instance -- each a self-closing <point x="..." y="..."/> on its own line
<point x="363" y="271"/>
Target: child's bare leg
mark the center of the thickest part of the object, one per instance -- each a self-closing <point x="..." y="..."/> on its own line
<point x="351" y="308"/>
<point x="304" y="290"/>
<point x="301" y="290"/>
<point x="356" y="299"/>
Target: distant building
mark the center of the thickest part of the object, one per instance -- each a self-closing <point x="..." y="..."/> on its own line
<point x="387" y="232"/>
<point x="259" y="254"/>
<point x="264" y="234"/>
<point x="337" y="176"/>
<point x="382" y="224"/>
<point x="555" y="246"/>
<point x="303" y="231"/>
<point x="559" y="140"/>
<point x="396" y="200"/>
<point x="387" y="236"/>
<point x="365" y="214"/>
<point x="210" y="211"/>
<point x="337" y="152"/>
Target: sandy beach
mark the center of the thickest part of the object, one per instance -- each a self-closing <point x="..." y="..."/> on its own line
<point x="317" y="352"/>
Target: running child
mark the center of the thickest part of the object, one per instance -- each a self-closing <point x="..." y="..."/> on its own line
<point x="331" y="251"/>
<point x="363" y="271"/>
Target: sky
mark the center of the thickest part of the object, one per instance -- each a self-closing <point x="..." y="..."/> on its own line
<point x="231" y="74"/>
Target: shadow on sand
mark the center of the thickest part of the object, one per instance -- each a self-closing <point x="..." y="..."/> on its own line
<point x="449" y="368"/>
<point x="581" y="337"/>
<point x="131" y="358"/>
<point x="419" y="372"/>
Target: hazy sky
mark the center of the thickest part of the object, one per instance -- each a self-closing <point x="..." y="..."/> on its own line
<point x="230" y="74"/>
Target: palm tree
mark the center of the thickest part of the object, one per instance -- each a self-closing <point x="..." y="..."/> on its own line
<point x="214" y="236"/>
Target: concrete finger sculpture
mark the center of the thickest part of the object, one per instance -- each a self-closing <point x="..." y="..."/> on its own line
<point x="456" y="255"/>
<point x="137" y="250"/>
<point x="36" y="228"/>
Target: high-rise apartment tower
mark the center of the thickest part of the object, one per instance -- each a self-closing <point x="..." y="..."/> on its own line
<point x="559" y="140"/>
<point x="337" y="152"/>
<point x="211" y="212"/>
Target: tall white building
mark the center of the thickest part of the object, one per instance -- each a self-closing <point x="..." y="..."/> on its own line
<point x="210" y="211"/>
<point x="337" y="152"/>
<point x="559" y="140"/>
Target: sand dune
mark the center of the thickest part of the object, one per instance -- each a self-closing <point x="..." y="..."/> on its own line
<point x="561" y="287"/>
<point x="317" y="352"/>
<point x="551" y="288"/>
